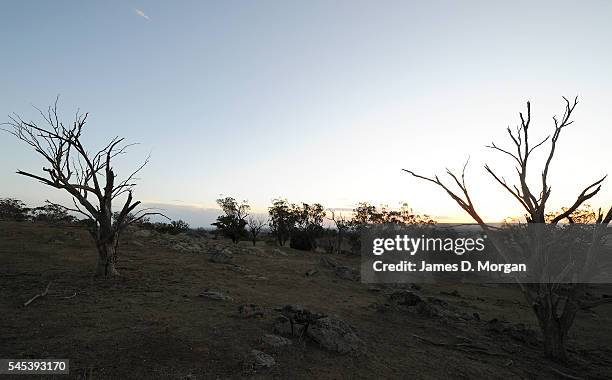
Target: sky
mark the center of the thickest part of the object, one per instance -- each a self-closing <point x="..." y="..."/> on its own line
<point x="314" y="101"/>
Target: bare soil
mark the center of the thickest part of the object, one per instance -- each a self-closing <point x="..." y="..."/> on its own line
<point x="151" y="322"/>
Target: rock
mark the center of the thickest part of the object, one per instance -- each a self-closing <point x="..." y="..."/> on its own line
<point x="142" y="234"/>
<point x="427" y="310"/>
<point x="283" y="326"/>
<point x="250" y="311"/>
<point x="437" y="301"/>
<point x="311" y="272"/>
<point x="335" y="335"/>
<point x="405" y="298"/>
<point x="299" y="314"/>
<point x="518" y="332"/>
<point x="256" y="277"/>
<point x="275" y="340"/>
<point x="220" y="258"/>
<point x="341" y="271"/>
<point x="214" y="295"/>
<point x="454" y="293"/>
<point x="415" y="304"/>
<point x="262" y="359"/>
<point x="347" y="273"/>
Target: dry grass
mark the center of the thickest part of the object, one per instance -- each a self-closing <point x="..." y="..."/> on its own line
<point x="150" y="322"/>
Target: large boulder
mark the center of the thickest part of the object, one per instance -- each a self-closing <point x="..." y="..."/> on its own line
<point x="335" y="335"/>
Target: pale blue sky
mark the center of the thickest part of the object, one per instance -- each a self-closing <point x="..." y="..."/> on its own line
<point x="314" y="100"/>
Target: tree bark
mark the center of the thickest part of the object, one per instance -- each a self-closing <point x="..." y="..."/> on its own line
<point x="555" y="322"/>
<point x="106" y="259"/>
<point x="555" y="337"/>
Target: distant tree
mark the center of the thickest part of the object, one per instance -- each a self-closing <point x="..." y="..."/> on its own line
<point x="308" y="225"/>
<point x="52" y="213"/>
<point x="282" y="220"/>
<point x="342" y="226"/>
<point x="255" y="225"/>
<point x="233" y="221"/>
<point x="365" y="214"/>
<point x="179" y="226"/>
<point x="88" y="177"/>
<point x="582" y="215"/>
<point x="13" y="209"/>
<point x="555" y="304"/>
<point x="144" y="222"/>
<point x="404" y="215"/>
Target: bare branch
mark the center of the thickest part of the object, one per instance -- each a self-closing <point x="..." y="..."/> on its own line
<point x="583" y="197"/>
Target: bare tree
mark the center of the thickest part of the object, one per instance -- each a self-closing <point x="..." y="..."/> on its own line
<point x="342" y="225"/>
<point x="88" y="177"/>
<point x="554" y="304"/>
<point x="255" y="225"/>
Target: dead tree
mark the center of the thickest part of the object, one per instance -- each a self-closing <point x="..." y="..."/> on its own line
<point x="554" y="304"/>
<point x="88" y="177"/>
<point x="342" y="225"/>
<point x="255" y="225"/>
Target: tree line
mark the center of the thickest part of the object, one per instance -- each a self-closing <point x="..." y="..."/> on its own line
<point x="303" y="225"/>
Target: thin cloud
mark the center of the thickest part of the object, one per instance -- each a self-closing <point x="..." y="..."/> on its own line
<point x="141" y="14"/>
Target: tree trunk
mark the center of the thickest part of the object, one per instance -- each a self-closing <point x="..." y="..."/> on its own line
<point x="554" y="340"/>
<point x="555" y="320"/>
<point x="106" y="258"/>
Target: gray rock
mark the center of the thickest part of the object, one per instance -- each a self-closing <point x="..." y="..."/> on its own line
<point x="275" y="340"/>
<point x="214" y="295"/>
<point x="283" y="326"/>
<point x="405" y="298"/>
<point x="250" y="311"/>
<point x="335" y="335"/>
<point x="311" y="272"/>
<point x="142" y="234"/>
<point x="342" y="271"/>
<point x="220" y="258"/>
<point x="262" y="359"/>
<point x="347" y="273"/>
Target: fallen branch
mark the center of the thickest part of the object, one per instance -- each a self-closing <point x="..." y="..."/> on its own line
<point x="38" y="295"/>
<point x="565" y="375"/>
<point x="428" y="340"/>
<point x="468" y="347"/>
<point x="69" y="297"/>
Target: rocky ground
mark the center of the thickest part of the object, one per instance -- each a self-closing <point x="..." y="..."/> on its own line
<point x="195" y="307"/>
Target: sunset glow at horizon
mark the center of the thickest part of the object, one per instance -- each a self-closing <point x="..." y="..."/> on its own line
<point x="315" y="101"/>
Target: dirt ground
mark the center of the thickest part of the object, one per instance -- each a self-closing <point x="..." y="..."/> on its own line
<point x="151" y="322"/>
